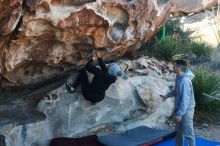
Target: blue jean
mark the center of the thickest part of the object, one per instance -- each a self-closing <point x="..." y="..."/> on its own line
<point x="185" y="129"/>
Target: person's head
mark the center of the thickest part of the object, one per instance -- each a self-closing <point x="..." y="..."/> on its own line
<point x="179" y="66"/>
<point x="114" y="69"/>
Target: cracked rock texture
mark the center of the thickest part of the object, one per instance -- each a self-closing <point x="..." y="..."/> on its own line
<point x="40" y="38"/>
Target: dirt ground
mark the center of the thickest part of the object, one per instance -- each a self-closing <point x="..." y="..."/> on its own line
<point x="206" y="131"/>
<point x="211" y="132"/>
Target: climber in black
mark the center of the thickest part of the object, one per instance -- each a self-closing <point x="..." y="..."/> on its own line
<point x="103" y="78"/>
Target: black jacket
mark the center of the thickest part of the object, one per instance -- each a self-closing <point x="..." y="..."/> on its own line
<point x="101" y="81"/>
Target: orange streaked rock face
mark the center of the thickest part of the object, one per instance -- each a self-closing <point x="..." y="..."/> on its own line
<point x="10" y="13"/>
<point x="64" y="33"/>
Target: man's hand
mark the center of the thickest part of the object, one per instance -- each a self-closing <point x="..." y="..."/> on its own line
<point x="178" y="118"/>
<point x="163" y="97"/>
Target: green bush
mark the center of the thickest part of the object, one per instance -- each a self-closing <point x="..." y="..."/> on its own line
<point x="166" y="49"/>
<point x="200" y="49"/>
<point x="206" y="87"/>
<point x="174" y="28"/>
<point x="176" y="42"/>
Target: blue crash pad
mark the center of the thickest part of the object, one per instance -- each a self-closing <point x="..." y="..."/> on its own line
<point x="136" y="137"/>
<point x="199" y="142"/>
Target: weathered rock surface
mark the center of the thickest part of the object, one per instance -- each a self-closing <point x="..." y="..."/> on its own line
<point x="204" y="26"/>
<point x="43" y="38"/>
<point x="10" y="13"/>
<point x="192" y="6"/>
<point x="40" y="38"/>
<point x="125" y="106"/>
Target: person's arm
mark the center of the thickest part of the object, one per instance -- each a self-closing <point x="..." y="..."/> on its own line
<point x="91" y="68"/>
<point x="185" y="94"/>
<point x="102" y="65"/>
<point x="171" y="93"/>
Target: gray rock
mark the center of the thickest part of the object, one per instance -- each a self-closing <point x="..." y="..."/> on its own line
<point x="128" y="103"/>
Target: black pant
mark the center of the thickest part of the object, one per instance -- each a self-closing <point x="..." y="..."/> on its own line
<point x="87" y="88"/>
<point x="82" y="79"/>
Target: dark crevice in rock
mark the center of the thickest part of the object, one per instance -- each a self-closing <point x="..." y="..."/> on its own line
<point x="2" y="140"/>
<point x="31" y="3"/>
<point x="72" y="2"/>
<point x="16" y="30"/>
<point x="33" y="72"/>
<point x="33" y="90"/>
<point x="18" y="104"/>
<point x="21" y="112"/>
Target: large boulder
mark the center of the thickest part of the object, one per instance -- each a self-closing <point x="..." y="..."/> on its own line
<point x="128" y="104"/>
<point x="46" y="37"/>
<point x="203" y="26"/>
